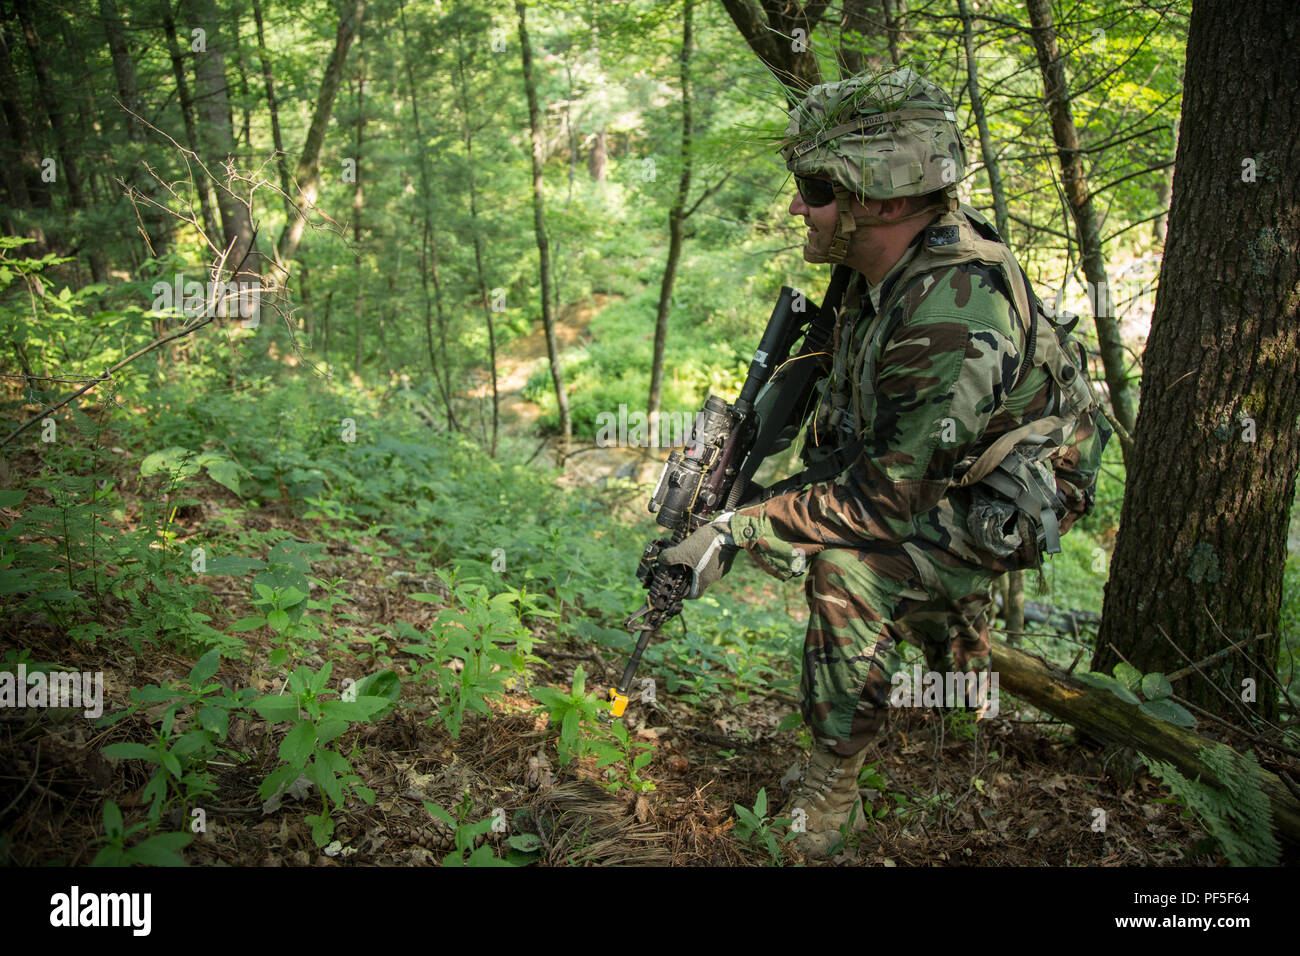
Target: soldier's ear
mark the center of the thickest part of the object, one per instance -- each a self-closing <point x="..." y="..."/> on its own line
<point x="896" y="207"/>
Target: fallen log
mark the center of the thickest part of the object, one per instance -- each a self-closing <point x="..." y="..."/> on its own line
<point x="1104" y="716"/>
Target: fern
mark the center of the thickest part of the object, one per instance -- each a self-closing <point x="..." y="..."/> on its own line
<point x="1238" y="816"/>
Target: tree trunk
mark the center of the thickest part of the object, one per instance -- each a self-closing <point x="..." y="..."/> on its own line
<point x="308" y="169"/>
<point x="203" y="187"/>
<point x="598" y="158"/>
<point x="1203" y="532"/>
<point x="895" y="11"/>
<point x="156" y="224"/>
<point x="358" y="202"/>
<point x="467" y="135"/>
<point x="676" y="221"/>
<point x="53" y="108"/>
<point x="1056" y="93"/>
<point x="22" y="160"/>
<point x="438" y="366"/>
<point x="1102" y="715"/>
<point x="781" y="35"/>
<point x="217" y="139"/>
<point x="243" y="80"/>
<point x="539" y="227"/>
<point x="991" y="167"/>
<point x="281" y="158"/>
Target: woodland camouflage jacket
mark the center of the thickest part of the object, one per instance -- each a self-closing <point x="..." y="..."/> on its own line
<point x="949" y="349"/>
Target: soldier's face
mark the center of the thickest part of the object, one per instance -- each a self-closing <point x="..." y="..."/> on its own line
<point x="821" y="225"/>
<point x="821" y="222"/>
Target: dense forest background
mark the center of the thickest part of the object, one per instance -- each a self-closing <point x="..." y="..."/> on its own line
<point x="339" y="341"/>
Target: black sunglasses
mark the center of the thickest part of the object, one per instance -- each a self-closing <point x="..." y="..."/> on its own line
<point x="815" y="192"/>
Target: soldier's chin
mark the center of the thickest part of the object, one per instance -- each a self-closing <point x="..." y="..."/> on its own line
<point x="813" y="254"/>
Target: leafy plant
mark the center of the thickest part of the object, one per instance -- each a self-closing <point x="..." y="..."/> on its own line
<point x="191" y="727"/>
<point x="753" y="826"/>
<point x="305" y="750"/>
<point x="571" y="713"/>
<point x="486" y="636"/>
<point x="1237" y="816"/>
<point x="1155" y="687"/>
<point x="467" y="833"/>
<point x="160" y="849"/>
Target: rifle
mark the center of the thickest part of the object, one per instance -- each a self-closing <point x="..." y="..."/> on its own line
<point x="726" y="446"/>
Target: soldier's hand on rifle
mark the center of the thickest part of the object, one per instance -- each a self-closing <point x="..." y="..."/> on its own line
<point x="708" y="552"/>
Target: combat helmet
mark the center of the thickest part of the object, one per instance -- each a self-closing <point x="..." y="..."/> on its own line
<point x="876" y="136"/>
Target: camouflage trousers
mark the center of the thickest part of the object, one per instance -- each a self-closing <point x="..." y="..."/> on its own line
<point x="863" y="603"/>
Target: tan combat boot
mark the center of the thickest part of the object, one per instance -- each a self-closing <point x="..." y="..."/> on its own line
<point x="823" y="799"/>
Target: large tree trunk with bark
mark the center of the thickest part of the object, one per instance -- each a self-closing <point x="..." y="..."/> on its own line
<point x="539" y="227"/>
<point x="1203" y="532"/>
<point x="154" y="220"/>
<point x="1074" y="181"/>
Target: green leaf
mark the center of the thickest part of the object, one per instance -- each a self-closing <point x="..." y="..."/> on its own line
<point x="112" y="820"/>
<point x="277" y="707"/>
<point x="1167" y="710"/>
<point x="760" y="804"/>
<point x="385" y="684"/>
<point x="327" y="780"/>
<point x="162" y="849"/>
<point x="1105" y="682"/>
<point x="436" y="811"/>
<point x="298" y="744"/>
<point x="278" y="619"/>
<point x="176" y="461"/>
<point x="360" y="710"/>
<point x="205" y="668"/>
<point x="233" y="564"/>
<point x="549" y="696"/>
<point x="1131" y="676"/>
<point x="247" y="624"/>
<point x="224" y="472"/>
<point x="215" y="719"/>
<point x="173" y="765"/>
<point x="526" y="842"/>
<point x="1156" y="687"/>
<point x="579" y="682"/>
<point x="789" y="722"/>
<point x="10" y="498"/>
<point x="129" y="751"/>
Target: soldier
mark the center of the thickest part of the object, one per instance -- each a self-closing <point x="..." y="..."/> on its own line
<point x="946" y="391"/>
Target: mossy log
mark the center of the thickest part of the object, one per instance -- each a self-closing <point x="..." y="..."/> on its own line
<point x="1102" y="715"/>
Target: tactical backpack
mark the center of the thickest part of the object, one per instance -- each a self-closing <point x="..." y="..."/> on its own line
<point x="1034" y="481"/>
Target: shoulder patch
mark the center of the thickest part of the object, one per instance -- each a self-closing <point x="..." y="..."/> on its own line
<point x="941" y="235"/>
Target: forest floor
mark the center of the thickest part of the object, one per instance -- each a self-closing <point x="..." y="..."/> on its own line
<point x="1020" y="793"/>
<point x="1016" y="790"/>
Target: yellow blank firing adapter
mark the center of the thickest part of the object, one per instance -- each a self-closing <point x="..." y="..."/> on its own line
<point x="617" y="702"/>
